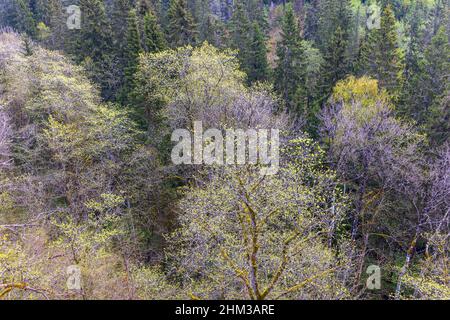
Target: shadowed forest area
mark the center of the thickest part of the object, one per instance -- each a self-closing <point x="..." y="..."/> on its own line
<point x="92" y="205"/>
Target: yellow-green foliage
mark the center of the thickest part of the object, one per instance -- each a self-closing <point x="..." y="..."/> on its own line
<point x="164" y="75"/>
<point x="6" y="204"/>
<point x="427" y="288"/>
<point x="40" y="263"/>
<point x="151" y="284"/>
<point x="37" y="266"/>
<point x="364" y="92"/>
<point x="244" y="235"/>
<point x="61" y="194"/>
<point x="199" y="84"/>
<point x="431" y="280"/>
<point x="43" y="31"/>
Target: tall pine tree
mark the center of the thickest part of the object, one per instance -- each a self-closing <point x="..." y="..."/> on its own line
<point x="119" y="27"/>
<point x="312" y="21"/>
<point x="336" y="63"/>
<point x="240" y="35"/>
<point x="288" y="73"/>
<point x="22" y="18"/>
<point x="214" y="31"/>
<point x="181" y="25"/>
<point x="132" y="50"/>
<point x="119" y="24"/>
<point x="334" y="14"/>
<point x="93" y="45"/>
<point x="414" y="61"/>
<point x="258" y="66"/>
<point x="435" y="85"/>
<point x="153" y="37"/>
<point x="381" y="56"/>
<point x="49" y="13"/>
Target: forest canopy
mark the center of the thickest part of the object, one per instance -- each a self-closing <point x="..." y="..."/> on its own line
<point x="355" y="95"/>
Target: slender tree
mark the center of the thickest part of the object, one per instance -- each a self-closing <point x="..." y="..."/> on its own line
<point x="288" y="73"/>
<point x="332" y="15"/>
<point x="22" y="18"/>
<point x="336" y="63"/>
<point x="215" y="31"/>
<point x="312" y="21"/>
<point x="435" y="86"/>
<point x="132" y="50"/>
<point x="181" y="25"/>
<point x="153" y="37"/>
<point x="258" y="52"/>
<point x="412" y="93"/>
<point x="390" y="67"/>
<point x="240" y="33"/>
<point x="93" y="45"/>
<point x="119" y="26"/>
<point x="52" y="28"/>
<point x="381" y="56"/>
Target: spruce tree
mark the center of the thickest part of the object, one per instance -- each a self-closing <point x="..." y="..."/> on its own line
<point x="381" y="57"/>
<point x="253" y="8"/>
<point x="213" y="31"/>
<point x="119" y="23"/>
<point x="239" y="26"/>
<point x="144" y="6"/>
<point x="202" y="13"/>
<point x="368" y="54"/>
<point x="390" y="67"/>
<point x="95" y="33"/>
<point x="414" y="52"/>
<point x="312" y="21"/>
<point x="44" y="10"/>
<point x="22" y="18"/>
<point x="288" y="73"/>
<point x="181" y="25"/>
<point x="336" y="62"/>
<point x="257" y="12"/>
<point x="153" y="37"/>
<point x="414" y="63"/>
<point x="435" y="85"/>
<point x="334" y="14"/>
<point x="263" y="20"/>
<point x="132" y="50"/>
<point x="94" y="45"/>
<point x="48" y="12"/>
<point x="439" y="16"/>
<point x="240" y="35"/>
<point x="258" y="70"/>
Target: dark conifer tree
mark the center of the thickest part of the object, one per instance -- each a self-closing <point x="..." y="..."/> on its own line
<point x="153" y="37"/>
<point x="435" y="85"/>
<point x="380" y="56"/>
<point x="181" y="25"/>
<point x="334" y="14"/>
<point x="414" y="64"/>
<point x="119" y="23"/>
<point x="22" y="18"/>
<point x="336" y="64"/>
<point x="132" y="50"/>
<point x="258" y="67"/>
<point x="288" y="73"/>
<point x="240" y="33"/>
<point x="93" y="45"/>
<point x="50" y="13"/>
<point x="312" y="21"/>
